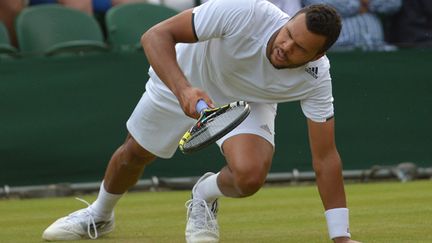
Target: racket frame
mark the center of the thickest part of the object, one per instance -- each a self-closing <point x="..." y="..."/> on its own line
<point x="206" y="115"/>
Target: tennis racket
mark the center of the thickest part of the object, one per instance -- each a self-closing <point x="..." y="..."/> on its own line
<point x="213" y="124"/>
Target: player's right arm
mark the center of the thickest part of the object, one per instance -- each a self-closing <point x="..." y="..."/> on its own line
<point x="159" y="46"/>
<point x="214" y="19"/>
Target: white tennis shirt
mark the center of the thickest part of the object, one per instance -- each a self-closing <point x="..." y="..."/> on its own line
<point x="229" y="62"/>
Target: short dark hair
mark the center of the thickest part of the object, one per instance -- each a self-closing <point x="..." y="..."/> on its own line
<point x="323" y="20"/>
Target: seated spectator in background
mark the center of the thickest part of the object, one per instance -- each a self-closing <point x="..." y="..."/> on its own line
<point x="82" y="5"/>
<point x="361" y="24"/>
<point x="87" y="6"/>
<point x="9" y="9"/>
<point x="101" y="6"/>
<point x="288" y="6"/>
<point x="412" y="25"/>
<point x="178" y="5"/>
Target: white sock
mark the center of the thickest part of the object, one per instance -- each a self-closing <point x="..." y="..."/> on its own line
<point x="208" y="189"/>
<point x="105" y="202"/>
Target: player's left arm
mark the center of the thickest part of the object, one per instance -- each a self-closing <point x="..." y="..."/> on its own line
<point x="327" y="163"/>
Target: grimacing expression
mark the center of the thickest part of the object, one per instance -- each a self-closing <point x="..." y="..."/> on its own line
<point x="294" y="45"/>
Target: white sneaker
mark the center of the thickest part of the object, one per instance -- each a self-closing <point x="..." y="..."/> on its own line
<point x="202" y="226"/>
<point x="81" y="224"/>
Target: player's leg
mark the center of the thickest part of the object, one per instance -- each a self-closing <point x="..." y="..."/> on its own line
<point x="123" y="171"/>
<point x="151" y="129"/>
<point x="248" y="150"/>
<point x="249" y="158"/>
<point x="126" y="166"/>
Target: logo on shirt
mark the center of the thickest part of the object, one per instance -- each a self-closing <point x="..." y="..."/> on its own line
<point x="266" y="128"/>
<point x="312" y="71"/>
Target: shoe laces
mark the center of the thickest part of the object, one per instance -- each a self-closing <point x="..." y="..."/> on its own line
<point x="91" y="224"/>
<point x="200" y="219"/>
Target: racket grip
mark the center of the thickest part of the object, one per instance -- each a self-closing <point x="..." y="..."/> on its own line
<point x="201" y="106"/>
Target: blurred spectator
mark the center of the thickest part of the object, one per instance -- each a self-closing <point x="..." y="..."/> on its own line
<point x="9" y="9"/>
<point x="82" y="5"/>
<point x="88" y="6"/>
<point x="361" y="24"/>
<point x="178" y="5"/>
<point x="412" y="25"/>
<point x="101" y="6"/>
<point x="288" y="6"/>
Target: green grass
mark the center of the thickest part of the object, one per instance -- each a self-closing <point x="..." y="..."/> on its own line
<point x="380" y="212"/>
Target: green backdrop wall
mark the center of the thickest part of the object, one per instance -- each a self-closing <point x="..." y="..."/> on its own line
<point x="62" y="117"/>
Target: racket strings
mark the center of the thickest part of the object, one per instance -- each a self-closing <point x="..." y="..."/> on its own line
<point x="214" y="126"/>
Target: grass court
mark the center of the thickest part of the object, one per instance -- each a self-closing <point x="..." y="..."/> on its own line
<point x="379" y="212"/>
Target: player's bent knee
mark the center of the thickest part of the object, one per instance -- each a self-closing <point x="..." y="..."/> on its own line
<point x="136" y="154"/>
<point x="249" y="176"/>
<point x="248" y="185"/>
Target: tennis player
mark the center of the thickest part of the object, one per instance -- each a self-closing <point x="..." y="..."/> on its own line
<point x="223" y="51"/>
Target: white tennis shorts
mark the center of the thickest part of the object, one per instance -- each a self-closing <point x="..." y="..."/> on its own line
<point x="158" y="122"/>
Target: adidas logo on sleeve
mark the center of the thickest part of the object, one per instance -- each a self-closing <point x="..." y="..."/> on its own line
<point x="312" y="71"/>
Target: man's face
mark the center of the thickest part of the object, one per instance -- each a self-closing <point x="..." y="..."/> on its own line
<point x="294" y="45"/>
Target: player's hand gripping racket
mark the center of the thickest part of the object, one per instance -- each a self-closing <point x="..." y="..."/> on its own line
<point x="213" y="124"/>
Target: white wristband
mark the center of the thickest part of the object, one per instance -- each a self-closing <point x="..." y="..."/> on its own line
<point x="338" y="222"/>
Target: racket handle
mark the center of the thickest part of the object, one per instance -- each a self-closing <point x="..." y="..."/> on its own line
<point x="201" y="106"/>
